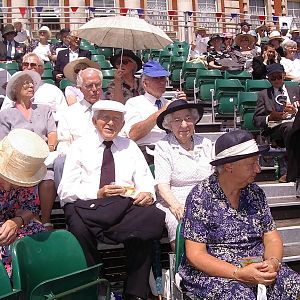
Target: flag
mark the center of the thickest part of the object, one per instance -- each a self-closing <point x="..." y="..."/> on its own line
<point x="74" y="9"/>
<point x="22" y="11"/>
<point x="39" y="9"/>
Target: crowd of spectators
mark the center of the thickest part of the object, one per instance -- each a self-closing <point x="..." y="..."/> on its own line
<point x="100" y="150"/>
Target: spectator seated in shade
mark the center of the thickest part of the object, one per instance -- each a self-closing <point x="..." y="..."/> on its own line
<point x="181" y="159"/>
<point x="73" y="93"/>
<point x="290" y="63"/>
<point x="232" y="247"/>
<point x="259" y="64"/>
<point x="261" y="35"/>
<point x="245" y="27"/>
<point x="228" y="41"/>
<point x="67" y="55"/>
<point x="22" y="167"/>
<point x="143" y="110"/>
<point x="107" y="192"/>
<point x="41" y="46"/>
<point x="47" y="94"/>
<point x="37" y="118"/>
<point x="10" y="50"/>
<point x="125" y="84"/>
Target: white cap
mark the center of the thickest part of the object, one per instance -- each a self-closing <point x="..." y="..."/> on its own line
<point x="109" y="105"/>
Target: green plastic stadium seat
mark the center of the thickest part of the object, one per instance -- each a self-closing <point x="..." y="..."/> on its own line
<point x="253" y="85"/>
<point x="52" y="264"/>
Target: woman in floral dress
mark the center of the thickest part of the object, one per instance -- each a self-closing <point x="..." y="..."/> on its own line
<point x="22" y="154"/>
<point x="233" y="249"/>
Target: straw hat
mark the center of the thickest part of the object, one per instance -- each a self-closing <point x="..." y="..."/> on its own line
<point x="238" y="38"/>
<point x="45" y="28"/>
<point x="294" y="29"/>
<point x="10" y="85"/>
<point x="15" y="21"/>
<point x="275" y="35"/>
<point x="8" y="28"/>
<point x="69" y="69"/>
<point x="236" y="145"/>
<point x="261" y="27"/>
<point x="22" y="156"/>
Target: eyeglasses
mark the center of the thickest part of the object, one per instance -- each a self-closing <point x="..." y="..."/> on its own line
<point x="27" y="83"/>
<point x="32" y="65"/>
<point x="178" y="121"/>
<point x="273" y="78"/>
<point x="124" y="62"/>
<point x="90" y="86"/>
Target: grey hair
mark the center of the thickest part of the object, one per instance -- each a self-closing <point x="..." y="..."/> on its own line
<point x="15" y="86"/>
<point x="31" y="54"/>
<point x="168" y="118"/>
<point x="288" y="43"/>
<point x="80" y="79"/>
<point x="219" y="169"/>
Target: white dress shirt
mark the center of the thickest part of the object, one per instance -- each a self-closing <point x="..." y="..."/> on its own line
<point x="82" y="169"/>
<point x="291" y="67"/>
<point x="139" y="109"/>
<point x="75" y="122"/>
<point x="47" y="94"/>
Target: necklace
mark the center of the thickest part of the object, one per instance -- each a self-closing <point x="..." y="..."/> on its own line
<point x="190" y="147"/>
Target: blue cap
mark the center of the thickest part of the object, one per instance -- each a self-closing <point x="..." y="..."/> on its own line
<point x="154" y="69"/>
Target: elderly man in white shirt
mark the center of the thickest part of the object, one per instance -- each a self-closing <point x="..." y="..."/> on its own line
<point x="47" y="94"/>
<point x="107" y="192"/>
<point x="142" y="111"/>
<point x="77" y="118"/>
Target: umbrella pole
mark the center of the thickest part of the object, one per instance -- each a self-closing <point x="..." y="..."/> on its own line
<point x="121" y="58"/>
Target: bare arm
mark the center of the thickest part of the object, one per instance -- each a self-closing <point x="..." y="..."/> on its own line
<point x="273" y="246"/>
<point x="175" y="207"/>
<point x="142" y="128"/>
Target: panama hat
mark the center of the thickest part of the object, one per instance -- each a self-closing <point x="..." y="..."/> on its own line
<point x="69" y="69"/>
<point x="275" y="35"/>
<point x="236" y="145"/>
<point x="238" y="38"/>
<point x="45" y="28"/>
<point x="261" y="27"/>
<point x="175" y="106"/>
<point x="36" y="78"/>
<point x="128" y="53"/>
<point x="22" y="156"/>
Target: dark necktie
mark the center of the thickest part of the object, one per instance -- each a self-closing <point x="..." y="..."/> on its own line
<point x="158" y="103"/>
<point x="9" y="50"/>
<point x="108" y="165"/>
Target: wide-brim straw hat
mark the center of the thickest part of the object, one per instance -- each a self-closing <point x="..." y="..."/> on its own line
<point x="238" y="38"/>
<point x="69" y="69"/>
<point x="236" y="145"/>
<point x="36" y="78"/>
<point x="175" y="106"/>
<point x="263" y="27"/>
<point x="45" y="28"/>
<point x="22" y="156"/>
<point x="275" y="35"/>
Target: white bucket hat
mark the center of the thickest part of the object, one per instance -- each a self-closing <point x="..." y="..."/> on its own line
<point x="36" y="78"/>
<point x="22" y="156"/>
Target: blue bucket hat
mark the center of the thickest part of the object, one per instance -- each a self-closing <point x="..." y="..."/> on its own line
<point x="154" y="69"/>
<point x="236" y="145"/>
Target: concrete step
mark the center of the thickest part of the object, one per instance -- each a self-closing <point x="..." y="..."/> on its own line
<point x="275" y="189"/>
<point x="291" y="252"/>
<point x="208" y="127"/>
<point x="283" y="201"/>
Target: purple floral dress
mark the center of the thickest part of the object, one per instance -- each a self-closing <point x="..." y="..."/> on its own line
<point x="230" y="234"/>
<point x="10" y="201"/>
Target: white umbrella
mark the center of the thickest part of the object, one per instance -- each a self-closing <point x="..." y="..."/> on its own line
<point x="123" y="32"/>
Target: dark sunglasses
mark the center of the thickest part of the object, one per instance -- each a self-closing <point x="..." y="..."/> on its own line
<point x="273" y="78"/>
<point x="32" y="65"/>
<point x="124" y="62"/>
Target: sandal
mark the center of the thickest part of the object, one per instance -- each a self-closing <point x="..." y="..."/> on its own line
<point x="48" y="226"/>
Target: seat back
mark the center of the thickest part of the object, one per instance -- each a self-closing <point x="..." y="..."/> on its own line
<point x="64" y="83"/>
<point x="6" y="292"/>
<point x="108" y="74"/>
<point x="291" y="83"/>
<point x="253" y="85"/>
<point x="44" y="256"/>
<point x="179" y="247"/>
<point x="246" y="100"/>
<point x="238" y="74"/>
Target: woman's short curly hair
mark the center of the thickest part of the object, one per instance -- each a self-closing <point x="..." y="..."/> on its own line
<point x="15" y="88"/>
